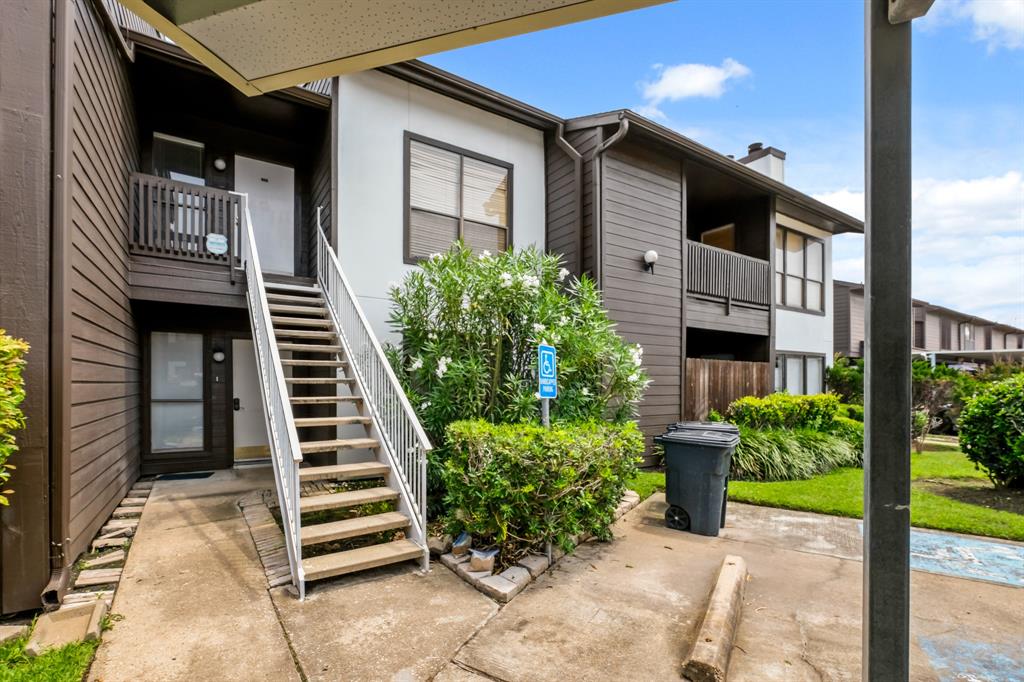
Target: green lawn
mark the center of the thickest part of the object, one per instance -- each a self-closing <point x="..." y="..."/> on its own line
<point x="842" y="493"/>
<point x="67" y="664"/>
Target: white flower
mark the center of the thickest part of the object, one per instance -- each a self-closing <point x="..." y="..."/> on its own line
<point x="585" y="391"/>
<point x="432" y="335"/>
<point x="634" y="377"/>
<point x="563" y="320"/>
<point x="538" y="327"/>
<point x="531" y="281"/>
<point x="393" y="285"/>
<point x="465" y="301"/>
<point x="435" y="256"/>
<point x="425" y="404"/>
<point x="637" y="353"/>
<point x="562" y="274"/>
<point x="442" y="365"/>
<point x="417" y="362"/>
<point x="506" y="279"/>
<point x="486" y="254"/>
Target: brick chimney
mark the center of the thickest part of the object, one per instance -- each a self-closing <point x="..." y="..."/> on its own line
<point x="766" y="160"/>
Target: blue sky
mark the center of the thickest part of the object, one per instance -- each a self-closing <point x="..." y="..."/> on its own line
<point x="790" y="74"/>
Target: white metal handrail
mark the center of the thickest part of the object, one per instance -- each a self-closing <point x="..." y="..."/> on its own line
<point x="285" y="451"/>
<point x="404" y="441"/>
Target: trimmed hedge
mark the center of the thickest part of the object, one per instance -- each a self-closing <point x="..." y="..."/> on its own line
<point x="12" y="393"/>
<point x="852" y="411"/>
<point x="784" y="411"/>
<point x="992" y="431"/>
<point x="519" y="486"/>
<point x="790" y="454"/>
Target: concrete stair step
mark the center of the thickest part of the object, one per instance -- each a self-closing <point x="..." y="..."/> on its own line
<point x="307" y="422"/>
<point x="344" y="472"/>
<point x="349" y="498"/>
<point x="351" y="528"/>
<point x="339" y="444"/>
<point x="340" y="563"/>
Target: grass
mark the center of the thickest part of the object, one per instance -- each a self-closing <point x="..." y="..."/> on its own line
<point x="67" y="664"/>
<point x="841" y="493"/>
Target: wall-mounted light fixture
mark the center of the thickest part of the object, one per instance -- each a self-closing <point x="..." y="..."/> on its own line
<point x="650" y="258"/>
<point x="220" y="164"/>
<point x="218" y="356"/>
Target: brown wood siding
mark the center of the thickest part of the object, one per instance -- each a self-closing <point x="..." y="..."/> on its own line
<point x="105" y="367"/>
<point x="585" y="142"/>
<point x="155" y="278"/>
<point x="641" y="208"/>
<point x="320" y="182"/>
<point x="856" y="324"/>
<point x="562" y="204"/>
<point x="25" y="131"/>
<point x="841" y="320"/>
<point x="714" y="384"/>
<point x="704" y="314"/>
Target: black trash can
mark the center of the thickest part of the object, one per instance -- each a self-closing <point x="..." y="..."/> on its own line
<point x="697" y="460"/>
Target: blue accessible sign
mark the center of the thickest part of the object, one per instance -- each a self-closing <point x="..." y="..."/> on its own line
<point x="547" y="371"/>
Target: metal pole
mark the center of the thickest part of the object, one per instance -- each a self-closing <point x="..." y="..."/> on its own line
<point x="545" y="418"/>
<point x="886" y="601"/>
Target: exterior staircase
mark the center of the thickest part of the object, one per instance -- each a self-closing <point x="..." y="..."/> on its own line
<point x="337" y="415"/>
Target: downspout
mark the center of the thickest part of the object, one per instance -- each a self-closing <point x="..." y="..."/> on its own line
<point x="598" y="215"/>
<point x="577" y="176"/>
<point x="60" y="354"/>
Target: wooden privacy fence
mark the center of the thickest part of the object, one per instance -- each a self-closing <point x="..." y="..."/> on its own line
<point x="713" y="384"/>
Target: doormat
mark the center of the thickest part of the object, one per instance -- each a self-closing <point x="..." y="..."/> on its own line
<point x="184" y="477"/>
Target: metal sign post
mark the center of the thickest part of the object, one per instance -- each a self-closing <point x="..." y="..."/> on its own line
<point x="547" y="380"/>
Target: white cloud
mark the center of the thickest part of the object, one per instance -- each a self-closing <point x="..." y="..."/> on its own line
<point x="998" y="23"/>
<point x="682" y="81"/>
<point x="968" y="244"/>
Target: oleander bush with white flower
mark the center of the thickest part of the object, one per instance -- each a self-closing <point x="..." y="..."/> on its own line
<point x="470" y="325"/>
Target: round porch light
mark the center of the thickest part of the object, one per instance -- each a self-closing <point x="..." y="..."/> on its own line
<point x="218" y="356"/>
<point x="650" y="258"/>
<point x="220" y="164"/>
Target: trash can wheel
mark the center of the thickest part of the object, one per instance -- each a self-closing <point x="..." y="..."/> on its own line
<point x="676" y="518"/>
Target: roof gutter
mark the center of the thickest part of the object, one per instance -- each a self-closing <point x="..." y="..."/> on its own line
<point x="577" y="182"/>
<point x="616" y="137"/>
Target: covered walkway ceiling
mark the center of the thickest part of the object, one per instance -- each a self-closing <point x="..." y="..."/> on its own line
<point x="264" y="45"/>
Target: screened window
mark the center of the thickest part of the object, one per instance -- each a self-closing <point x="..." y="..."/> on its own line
<point x="799" y="271"/>
<point x="179" y="159"/>
<point x="455" y="194"/>
<point x="176" y="391"/>
<point x="799" y="374"/>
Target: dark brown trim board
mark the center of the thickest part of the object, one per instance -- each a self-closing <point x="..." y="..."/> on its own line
<point x="410" y="137"/>
<point x="25" y="230"/>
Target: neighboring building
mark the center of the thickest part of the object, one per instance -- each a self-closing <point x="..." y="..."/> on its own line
<point x="125" y="264"/>
<point x="936" y="328"/>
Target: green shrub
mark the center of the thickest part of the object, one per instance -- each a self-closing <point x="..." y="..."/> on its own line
<point x="992" y="431"/>
<point x="790" y="454"/>
<point x="845" y="378"/>
<point x="850" y="430"/>
<point x="469" y="329"/>
<point x="715" y="416"/>
<point x="783" y="411"/>
<point x="12" y="393"/>
<point x="852" y="411"/>
<point x="519" y="486"/>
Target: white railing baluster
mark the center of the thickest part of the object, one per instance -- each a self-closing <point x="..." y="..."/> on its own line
<point x="285" y="451"/>
<point x="403" y="441"/>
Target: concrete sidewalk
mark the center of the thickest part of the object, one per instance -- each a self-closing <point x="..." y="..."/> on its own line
<point x="196" y="606"/>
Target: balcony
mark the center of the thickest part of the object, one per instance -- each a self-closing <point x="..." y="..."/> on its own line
<point x="183" y="242"/>
<point x="727" y="291"/>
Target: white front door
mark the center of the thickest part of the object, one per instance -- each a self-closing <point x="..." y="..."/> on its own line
<point x="250" y="428"/>
<point x="271" y="190"/>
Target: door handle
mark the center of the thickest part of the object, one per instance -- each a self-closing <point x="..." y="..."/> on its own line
<point x="236" y="404"/>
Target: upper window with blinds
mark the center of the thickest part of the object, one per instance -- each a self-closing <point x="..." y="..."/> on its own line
<point x="799" y="271"/>
<point x="452" y="194"/>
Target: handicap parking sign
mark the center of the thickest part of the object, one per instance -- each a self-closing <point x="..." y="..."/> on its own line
<point x="547" y="371"/>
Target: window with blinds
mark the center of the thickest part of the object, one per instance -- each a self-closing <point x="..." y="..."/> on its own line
<point x="452" y="194"/>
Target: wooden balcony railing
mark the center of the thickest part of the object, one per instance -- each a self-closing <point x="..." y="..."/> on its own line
<point x="175" y="219"/>
<point x="727" y="275"/>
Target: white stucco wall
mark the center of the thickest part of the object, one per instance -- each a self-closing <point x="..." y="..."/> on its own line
<point x="375" y="110"/>
<point x="807" y="332"/>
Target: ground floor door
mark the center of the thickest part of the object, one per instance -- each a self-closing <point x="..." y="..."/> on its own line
<point x="250" y="427"/>
<point x="271" y="190"/>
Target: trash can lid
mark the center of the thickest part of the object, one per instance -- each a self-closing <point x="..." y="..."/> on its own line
<point x="704" y="426"/>
<point x="716" y="438"/>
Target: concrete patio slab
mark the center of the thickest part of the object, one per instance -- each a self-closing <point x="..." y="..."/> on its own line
<point x="388" y="623"/>
<point x="193" y="595"/>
